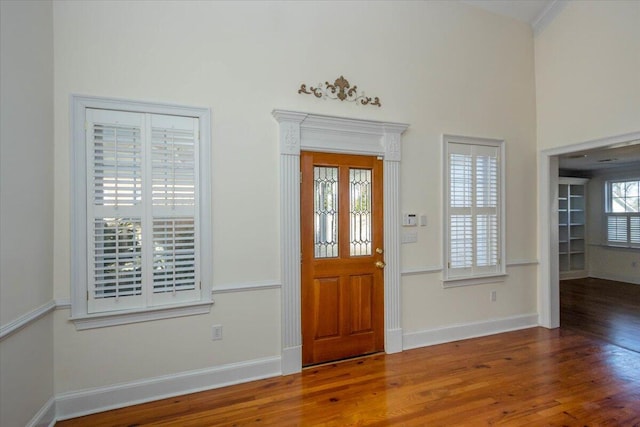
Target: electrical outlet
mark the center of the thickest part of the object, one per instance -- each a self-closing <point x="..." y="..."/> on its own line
<point x="216" y="332"/>
<point x="493" y="296"/>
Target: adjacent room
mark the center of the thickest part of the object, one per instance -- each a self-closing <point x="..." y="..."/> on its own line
<point x="318" y="212"/>
<point x="599" y="242"/>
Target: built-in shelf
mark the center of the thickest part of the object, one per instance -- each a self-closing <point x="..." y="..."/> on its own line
<point x="572" y="229"/>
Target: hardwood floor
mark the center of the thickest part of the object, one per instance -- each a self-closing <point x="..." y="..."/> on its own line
<point x="532" y="377"/>
<point x="602" y="308"/>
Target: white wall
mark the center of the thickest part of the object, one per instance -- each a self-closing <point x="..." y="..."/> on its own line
<point x="26" y="198"/>
<point x="620" y="264"/>
<point x="443" y="67"/>
<point x="587" y="89"/>
<point x="587" y="68"/>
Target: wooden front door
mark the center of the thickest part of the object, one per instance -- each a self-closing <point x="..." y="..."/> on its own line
<point x="342" y="256"/>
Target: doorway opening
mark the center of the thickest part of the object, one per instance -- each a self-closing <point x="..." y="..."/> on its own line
<point x="576" y="157"/>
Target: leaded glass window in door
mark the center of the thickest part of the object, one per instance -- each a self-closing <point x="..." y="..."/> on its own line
<point x="360" y="212"/>
<point x="325" y="208"/>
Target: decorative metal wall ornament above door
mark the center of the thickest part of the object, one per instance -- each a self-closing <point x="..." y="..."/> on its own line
<point x="340" y="89"/>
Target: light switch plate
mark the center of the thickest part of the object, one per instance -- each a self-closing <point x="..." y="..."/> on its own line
<point x="409" y="237"/>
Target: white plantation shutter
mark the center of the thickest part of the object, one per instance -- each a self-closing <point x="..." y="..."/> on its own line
<point x="117" y="268"/>
<point x="142" y="207"/>
<point x="114" y="208"/>
<point x="461" y="220"/>
<point x="617" y="229"/>
<point x="461" y="238"/>
<point x="174" y="168"/>
<point x="634" y="230"/>
<point x="486" y="240"/>
<point x="173" y="161"/>
<point x="117" y="161"/>
<point x="486" y="206"/>
<point x="174" y="255"/>
<point x="473" y="211"/>
<point x="623" y="213"/>
<point x="623" y="229"/>
<point x="461" y="180"/>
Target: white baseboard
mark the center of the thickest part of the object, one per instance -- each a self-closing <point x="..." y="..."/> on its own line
<point x="468" y="330"/>
<point x="617" y="277"/>
<point x="46" y="416"/>
<point x="85" y="402"/>
<point x="579" y="274"/>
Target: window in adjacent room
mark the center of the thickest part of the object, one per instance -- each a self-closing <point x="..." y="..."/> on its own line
<point x="141" y="210"/>
<point x="474" y="209"/>
<point x="623" y="212"/>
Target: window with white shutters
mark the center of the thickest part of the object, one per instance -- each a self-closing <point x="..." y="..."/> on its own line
<point x="623" y="213"/>
<point x="138" y="203"/>
<point x="473" y="208"/>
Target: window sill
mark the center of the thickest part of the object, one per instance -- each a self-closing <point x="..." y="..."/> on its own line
<point x="102" y="320"/>
<point x="475" y="280"/>
<point x="613" y="246"/>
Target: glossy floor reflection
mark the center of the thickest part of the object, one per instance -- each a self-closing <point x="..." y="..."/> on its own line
<point x="602" y="308"/>
<point x="531" y="377"/>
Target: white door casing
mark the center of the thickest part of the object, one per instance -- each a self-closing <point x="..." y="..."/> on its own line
<point x="549" y="276"/>
<point x="312" y="132"/>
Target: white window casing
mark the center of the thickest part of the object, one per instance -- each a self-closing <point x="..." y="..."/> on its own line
<point x="474" y="221"/>
<point x="622" y="213"/>
<point x="141" y="188"/>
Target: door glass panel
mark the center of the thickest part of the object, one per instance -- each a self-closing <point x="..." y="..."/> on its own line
<point x="325" y="207"/>
<point x="360" y="211"/>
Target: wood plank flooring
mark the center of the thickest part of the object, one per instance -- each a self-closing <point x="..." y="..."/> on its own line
<point x="602" y="308"/>
<point x="532" y="377"/>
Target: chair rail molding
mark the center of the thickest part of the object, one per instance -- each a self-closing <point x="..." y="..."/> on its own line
<point x="26" y="319"/>
<point x="313" y="132"/>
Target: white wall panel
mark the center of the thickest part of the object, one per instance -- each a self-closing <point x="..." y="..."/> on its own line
<point x="587" y="67"/>
<point x="445" y="68"/>
<point x="26" y="203"/>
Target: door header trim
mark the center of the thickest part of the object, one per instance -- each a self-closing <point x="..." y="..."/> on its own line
<point x="316" y="132"/>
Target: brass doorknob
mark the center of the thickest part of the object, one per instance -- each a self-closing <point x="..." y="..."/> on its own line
<point x="379" y="251"/>
<point x="380" y="264"/>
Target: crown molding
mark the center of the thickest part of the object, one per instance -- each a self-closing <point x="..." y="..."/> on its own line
<point x="547" y="16"/>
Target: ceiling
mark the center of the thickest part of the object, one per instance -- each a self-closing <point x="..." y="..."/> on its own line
<point x="618" y="156"/>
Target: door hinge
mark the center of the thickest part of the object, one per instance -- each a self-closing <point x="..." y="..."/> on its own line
<point x="87" y="295"/>
<point x="449" y="264"/>
<point x="200" y="284"/>
<point x="300" y="177"/>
